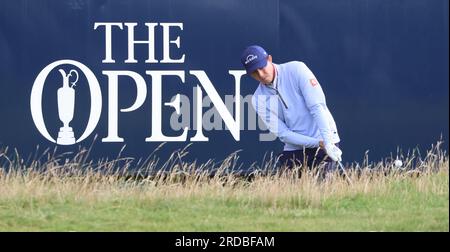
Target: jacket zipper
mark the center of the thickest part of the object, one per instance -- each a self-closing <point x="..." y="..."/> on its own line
<point x="279" y="95"/>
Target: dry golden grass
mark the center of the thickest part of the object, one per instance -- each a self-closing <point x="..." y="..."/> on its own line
<point x="86" y="181"/>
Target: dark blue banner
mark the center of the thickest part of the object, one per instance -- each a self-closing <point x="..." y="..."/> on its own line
<point x="140" y="73"/>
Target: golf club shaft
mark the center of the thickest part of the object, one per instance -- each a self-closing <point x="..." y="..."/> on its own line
<point x="345" y="173"/>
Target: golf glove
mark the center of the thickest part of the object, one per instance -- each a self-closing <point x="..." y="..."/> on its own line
<point x="333" y="152"/>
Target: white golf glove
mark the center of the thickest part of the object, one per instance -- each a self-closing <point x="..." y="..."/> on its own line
<point x="333" y="152"/>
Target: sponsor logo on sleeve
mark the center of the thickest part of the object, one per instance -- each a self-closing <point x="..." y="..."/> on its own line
<point x="313" y="82"/>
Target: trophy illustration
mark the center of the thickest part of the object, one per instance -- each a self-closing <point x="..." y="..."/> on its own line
<point x="66" y="106"/>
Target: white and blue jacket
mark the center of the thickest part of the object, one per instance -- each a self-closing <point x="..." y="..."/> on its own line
<point x="293" y="108"/>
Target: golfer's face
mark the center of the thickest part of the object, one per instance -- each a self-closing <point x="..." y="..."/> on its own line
<point x="264" y="75"/>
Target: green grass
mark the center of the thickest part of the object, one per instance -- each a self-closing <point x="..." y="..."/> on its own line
<point x="404" y="208"/>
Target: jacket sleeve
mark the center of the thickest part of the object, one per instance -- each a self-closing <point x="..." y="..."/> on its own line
<point x="315" y="101"/>
<point x="266" y="107"/>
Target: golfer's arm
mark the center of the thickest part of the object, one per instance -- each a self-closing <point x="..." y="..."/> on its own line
<point x="291" y="137"/>
<point x="279" y="128"/>
<point x="319" y="114"/>
<point x="315" y="101"/>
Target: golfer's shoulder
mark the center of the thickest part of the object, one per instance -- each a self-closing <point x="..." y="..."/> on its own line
<point x="261" y="92"/>
<point x="295" y="66"/>
<point x="257" y="92"/>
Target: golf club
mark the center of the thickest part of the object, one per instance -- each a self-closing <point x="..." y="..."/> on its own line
<point x="345" y="173"/>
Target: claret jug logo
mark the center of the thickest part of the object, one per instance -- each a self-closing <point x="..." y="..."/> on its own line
<point x="66" y="101"/>
<point x="71" y="71"/>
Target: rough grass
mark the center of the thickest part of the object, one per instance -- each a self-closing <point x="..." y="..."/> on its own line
<point x="78" y="195"/>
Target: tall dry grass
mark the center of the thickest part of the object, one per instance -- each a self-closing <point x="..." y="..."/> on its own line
<point x="48" y="176"/>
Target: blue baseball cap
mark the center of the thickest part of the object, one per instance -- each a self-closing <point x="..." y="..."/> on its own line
<point x="254" y="57"/>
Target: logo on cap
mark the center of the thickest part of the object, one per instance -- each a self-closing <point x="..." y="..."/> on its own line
<point x="250" y="58"/>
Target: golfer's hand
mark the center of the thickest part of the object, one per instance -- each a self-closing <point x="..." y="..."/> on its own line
<point x="321" y="144"/>
<point x="333" y="152"/>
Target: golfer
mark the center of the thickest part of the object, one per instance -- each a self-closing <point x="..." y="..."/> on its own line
<point x="299" y="117"/>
